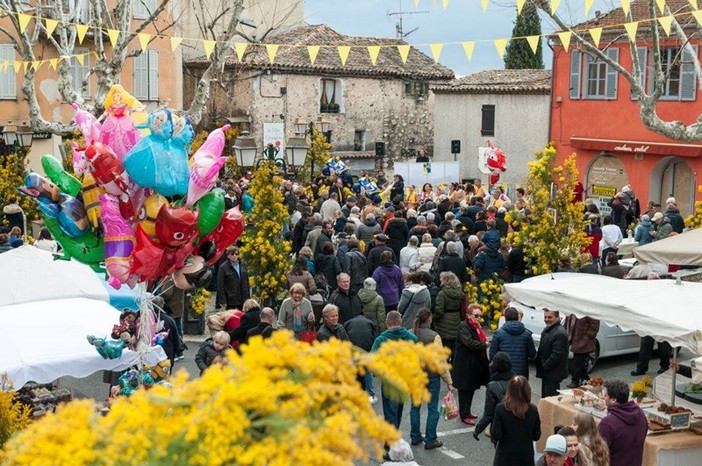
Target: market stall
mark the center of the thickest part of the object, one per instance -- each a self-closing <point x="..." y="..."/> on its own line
<point x="682" y="249"/>
<point x="659" y="308"/>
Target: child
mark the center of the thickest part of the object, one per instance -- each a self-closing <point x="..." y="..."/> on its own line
<point x="212" y="350"/>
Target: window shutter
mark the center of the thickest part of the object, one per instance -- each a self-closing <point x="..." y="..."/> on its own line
<point x="688" y="78"/>
<point x="141" y="91"/>
<point x="642" y="53"/>
<point x="612" y="75"/>
<point x="575" y="66"/>
<point x="8" y="83"/>
<point x="153" y="74"/>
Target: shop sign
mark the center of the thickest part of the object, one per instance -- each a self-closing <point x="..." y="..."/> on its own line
<point x="606" y="191"/>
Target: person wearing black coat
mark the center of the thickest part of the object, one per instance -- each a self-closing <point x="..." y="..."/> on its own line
<point x="250" y="319"/>
<point x="452" y="262"/>
<point x="373" y="253"/>
<point x="346" y="300"/>
<point x="298" y="235"/>
<point x="470" y="364"/>
<point x="361" y="331"/>
<point x="515" y="434"/>
<point x="232" y="281"/>
<point x="265" y="325"/>
<point x="552" y="355"/>
<point x="501" y="374"/>
<point x="397" y="232"/>
<point x="328" y="264"/>
<point x="331" y="328"/>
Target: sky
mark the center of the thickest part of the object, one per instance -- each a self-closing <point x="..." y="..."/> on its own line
<point x="462" y="20"/>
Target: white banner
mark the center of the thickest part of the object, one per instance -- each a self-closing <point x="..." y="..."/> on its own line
<point x="418" y="173"/>
<point x="274" y="133"/>
<point x="482" y="160"/>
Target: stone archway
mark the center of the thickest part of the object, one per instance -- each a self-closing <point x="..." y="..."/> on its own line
<point x="672" y="176"/>
<point x="605" y="176"/>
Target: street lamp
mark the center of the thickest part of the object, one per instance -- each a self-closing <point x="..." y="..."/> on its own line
<point x="245" y="149"/>
<point x="304" y="129"/>
<point x="25" y="137"/>
<point x="297" y="147"/>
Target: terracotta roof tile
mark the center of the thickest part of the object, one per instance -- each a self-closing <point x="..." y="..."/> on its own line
<point x="292" y="56"/>
<point x="528" y="81"/>
<point x="639" y="11"/>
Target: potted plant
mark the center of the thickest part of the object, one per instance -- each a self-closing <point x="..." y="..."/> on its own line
<point x="333" y="108"/>
<point x="639" y="390"/>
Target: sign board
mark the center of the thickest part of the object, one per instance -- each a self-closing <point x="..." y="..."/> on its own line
<point x="482" y="160"/>
<point x="274" y="133"/>
<point x="601" y="203"/>
<point x="434" y="172"/>
<point x="605" y="191"/>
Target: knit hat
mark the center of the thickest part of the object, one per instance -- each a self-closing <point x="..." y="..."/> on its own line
<point x="501" y="362"/>
<point x="491" y="238"/>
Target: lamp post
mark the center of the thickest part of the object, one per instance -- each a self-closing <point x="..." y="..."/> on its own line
<point x="245" y="149"/>
<point x="304" y="129"/>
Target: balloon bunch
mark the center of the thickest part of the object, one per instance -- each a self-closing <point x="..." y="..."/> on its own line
<point x="141" y="207"/>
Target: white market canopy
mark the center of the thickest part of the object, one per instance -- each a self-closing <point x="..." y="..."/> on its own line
<point x="682" y="249"/>
<point x="29" y="274"/>
<point x="659" y="308"/>
<point x="42" y="341"/>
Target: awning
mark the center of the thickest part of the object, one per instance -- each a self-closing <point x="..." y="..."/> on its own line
<point x="637" y="147"/>
<point x="683" y="249"/>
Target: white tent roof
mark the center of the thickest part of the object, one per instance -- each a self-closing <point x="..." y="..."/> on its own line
<point x="659" y="308"/>
<point x="42" y="341"/>
<point x="683" y="249"/>
<point x="30" y="274"/>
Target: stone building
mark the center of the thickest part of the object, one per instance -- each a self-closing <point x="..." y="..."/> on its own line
<point x="365" y="103"/>
<point x="508" y="107"/>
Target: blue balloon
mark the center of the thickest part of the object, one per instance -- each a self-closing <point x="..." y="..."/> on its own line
<point x="159" y="162"/>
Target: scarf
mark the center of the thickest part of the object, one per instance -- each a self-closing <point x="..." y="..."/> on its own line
<point x="479" y="329"/>
<point x="297" y="315"/>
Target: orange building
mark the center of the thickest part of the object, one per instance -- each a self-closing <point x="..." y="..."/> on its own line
<point x="594" y="114"/>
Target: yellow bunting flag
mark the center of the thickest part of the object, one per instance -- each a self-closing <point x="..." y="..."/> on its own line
<point x="17" y="65"/>
<point x="312" y="51"/>
<point x="554" y="5"/>
<point x="240" y="48"/>
<point x="500" y="45"/>
<point x="209" y="46"/>
<point x="5" y="64"/>
<point x="534" y="42"/>
<point x="588" y="6"/>
<point x="53" y="62"/>
<point x="661" y="6"/>
<point x="373" y="51"/>
<point x="23" y="21"/>
<point x="343" y="53"/>
<point x="25" y="64"/>
<point x="468" y="48"/>
<point x="175" y="43"/>
<point x="631" y="30"/>
<point x="80" y="58"/>
<point x="416" y="3"/>
<point x="698" y="16"/>
<point x="50" y="26"/>
<point x="404" y="52"/>
<point x="484" y="4"/>
<point x="144" y="40"/>
<point x="271" y="49"/>
<point x="82" y="30"/>
<point x="436" y="51"/>
<point x="113" y="34"/>
<point x="520" y="5"/>
<point x="444" y="3"/>
<point x="36" y="64"/>
<point x="565" y="39"/>
<point x="666" y="22"/>
<point x="693" y="3"/>
<point x="596" y="33"/>
<point x="626" y="7"/>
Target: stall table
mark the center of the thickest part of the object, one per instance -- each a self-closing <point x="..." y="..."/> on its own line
<point x="675" y="448"/>
<point x="626" y="247"/>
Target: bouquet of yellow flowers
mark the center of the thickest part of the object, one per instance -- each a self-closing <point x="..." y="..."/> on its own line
<point x="199" y="299"/>
<point x="639" y="389"/>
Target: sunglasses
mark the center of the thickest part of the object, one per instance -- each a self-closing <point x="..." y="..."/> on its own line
<point x="477" y="315"/>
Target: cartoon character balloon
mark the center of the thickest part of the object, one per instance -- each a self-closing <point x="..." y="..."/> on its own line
<point x="91" y="199"/>
<point x="229" y="229"/>
<point x="107" y="169"/>
<point x="119" y="244"/>
<point x="148" y="213"/>
<point x="207" y="162"/>
<point x="88" y="249"/>
<point x="118" y="130"/>
<point x="88" y="125"/>
<point x="68" y="183"/>
<point x="496" y="162"/>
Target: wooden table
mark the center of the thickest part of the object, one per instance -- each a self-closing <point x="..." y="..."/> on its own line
<point x="675" y="448"/>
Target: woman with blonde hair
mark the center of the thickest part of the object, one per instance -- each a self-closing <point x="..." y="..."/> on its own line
<point x="516" y="425"/>
<point x="296" y="311"/>
<point x="585" y="427"/>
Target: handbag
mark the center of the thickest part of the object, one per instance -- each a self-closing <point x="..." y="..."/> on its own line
<point x="449" y="406"/>
<point x="309" y="335"/>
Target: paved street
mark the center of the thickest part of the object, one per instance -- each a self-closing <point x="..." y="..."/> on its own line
<point x="459" y="446"/>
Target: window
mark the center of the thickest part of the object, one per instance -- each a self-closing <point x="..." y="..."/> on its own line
<point x="8" y="82"/>
<point x="591" y="78"/>
<point x="359" y="140"/>
<point x="79" y="73"/>
<point x="146" y="76"/>
<point x="330" y="101"/>
<point x="682" y="80"/>
<point x="144" y="8"/>
<point x="487" y="128"/>
<point x="416" y="88"/>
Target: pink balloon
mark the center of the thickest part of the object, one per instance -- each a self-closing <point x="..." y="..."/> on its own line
<point x="119" y="244"/>
<point x="207" y="162"/>
<point x="88" y="125"/>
